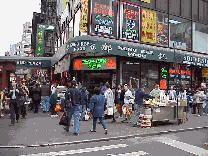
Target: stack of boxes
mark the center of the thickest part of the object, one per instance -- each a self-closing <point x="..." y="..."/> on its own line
<point x="144" y="121"/>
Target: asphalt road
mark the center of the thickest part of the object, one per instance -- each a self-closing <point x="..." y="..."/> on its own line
<point x="188" y="143"/>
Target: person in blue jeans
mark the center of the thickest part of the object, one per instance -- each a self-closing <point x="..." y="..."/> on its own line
<point x="75" y="95"/>
<point x="45" y="95"/>
<point x="83" y="105"/>
<point x="140" y="94"/>
<point x="97" y="103"/>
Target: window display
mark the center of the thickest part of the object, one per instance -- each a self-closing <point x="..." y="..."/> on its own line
<point x="180" y="32"/>
<point x="104" y="17"/>
<point x="162" y="29"/>
<point x="200" y="38"/>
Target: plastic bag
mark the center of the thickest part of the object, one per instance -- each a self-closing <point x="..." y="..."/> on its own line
<point x="58" y="108"/>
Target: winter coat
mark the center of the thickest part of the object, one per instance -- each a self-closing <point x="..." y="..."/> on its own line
<point x="75" y="95"/>
<point x="36" y="94"/>
<point x="102" y="90"/>
<point x="18" y="96"/>
<point x="197" y="98"/>
<point x="53" y="99"/>
<point x="97" y="104"/>
<point x="128" y="97"/>
<point x="84" y="98"/>
<point x="109" y="96"/>
<point x="140" y="95"/>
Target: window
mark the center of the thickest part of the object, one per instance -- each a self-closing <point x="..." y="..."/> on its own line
<point x="180" y="32"/>
<point x="200" y="38"/>
<point x="162" y="5"/>
<point x="174" y="7"/>
<point x="195" y="10"/>
<point x="186" y="8"/>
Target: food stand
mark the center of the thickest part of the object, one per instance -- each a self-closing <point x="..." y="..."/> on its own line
<point x="162" y="110"/>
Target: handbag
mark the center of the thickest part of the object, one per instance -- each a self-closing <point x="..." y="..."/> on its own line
<point x="110" y="111"/>
<point x="58" y="108"/>
<point x="63" y="119"/>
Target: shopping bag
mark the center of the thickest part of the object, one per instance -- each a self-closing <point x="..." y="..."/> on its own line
<point x="63" y="119"/>
<point x="110" y="111"/>
<point x="124" y="110"/>
<point x="58" y="108"/>
<point x="86" y="116"/>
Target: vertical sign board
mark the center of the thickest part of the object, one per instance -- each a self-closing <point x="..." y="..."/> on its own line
<point x="83" y="16"/>
<point x="104" y="18"/>
<point x="148" y="26"/>
<point x="204" y="72"/>
<point x="40" y="40"/>
<point x="130" y="21"/>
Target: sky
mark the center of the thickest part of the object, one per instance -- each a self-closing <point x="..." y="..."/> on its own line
<point x="13" y="14"/>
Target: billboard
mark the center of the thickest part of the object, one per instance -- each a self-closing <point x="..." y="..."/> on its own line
<point x="104" y="18"/>
<point x="148" y="26"/>
<point x="130" y="22"/>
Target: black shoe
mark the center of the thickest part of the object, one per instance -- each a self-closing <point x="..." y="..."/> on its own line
<point x="99" y="122"/>
<point x="134" y="125"/>
<point x="76" y="134"/>
<point x="44" y="111"/>
<point x="106" y="131"/>
<point x="113" y="121"/>
<point x="124" y="121"/>
<point x="65" y="129"/>
<point x="92" y="130"/>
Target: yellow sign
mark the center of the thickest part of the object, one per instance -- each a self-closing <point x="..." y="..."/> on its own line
<point x="204" y="72"/>
<point x="64" y="4"/>
<point x="147" y="1"/>
<point x="83" y="16"/>
<point x="148" y="26"/>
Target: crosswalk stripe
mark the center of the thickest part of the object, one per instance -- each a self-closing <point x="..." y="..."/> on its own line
<point x="79" y="151"/>
<point x="183" y="146"/>
<point x="130" y="154"/>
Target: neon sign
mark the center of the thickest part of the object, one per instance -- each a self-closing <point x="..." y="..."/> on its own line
<point x="164" y="73"/>
<point x="181" y="72"/>
<point x="130" y="19"/>
<point x="94" y="64"/>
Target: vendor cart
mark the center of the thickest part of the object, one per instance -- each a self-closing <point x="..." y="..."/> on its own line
<point x="165" y="112"/>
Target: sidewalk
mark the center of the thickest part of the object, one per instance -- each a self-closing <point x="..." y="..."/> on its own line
<point x="42" y="130"/>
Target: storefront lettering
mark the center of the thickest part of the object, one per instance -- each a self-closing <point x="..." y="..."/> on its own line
<point x="103" y="29"/>
<point x="102" y="21"/>
<point x="127" y="49"/>
<point x="131" y="14"/>
<point x="195" y="61"/>
<point x="21" y="62"/>
<point x="136" y="55"/>
<point x="162" y="56"/>
<point x="103" y="9"/>
<point x="147" y="52"/>
<point x="106" y="48"/>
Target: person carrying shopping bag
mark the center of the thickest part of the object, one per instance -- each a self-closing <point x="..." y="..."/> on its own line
<point x="97" y="104"/>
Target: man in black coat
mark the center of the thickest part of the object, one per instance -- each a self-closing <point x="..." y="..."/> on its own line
<point x="14" y="105"/>
<point x="36" y="98"/>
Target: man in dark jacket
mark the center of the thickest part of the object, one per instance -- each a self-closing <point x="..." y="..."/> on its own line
<point x="14" y="95"/>
<point x="140" y="94"/>
<point x="121" y="101"/>
<point x="75" y="95"/>
<point x="53" y="100"/>
<point x="45" y="94"/>
<point x="36" y="97"/>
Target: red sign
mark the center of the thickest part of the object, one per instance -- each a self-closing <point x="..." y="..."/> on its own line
<point x="131" y="14"/>
<point x="182" y="72"/>
<point x="162" y="84"/>
<point x="103" y="9"/>
<point x="159" y="28"/>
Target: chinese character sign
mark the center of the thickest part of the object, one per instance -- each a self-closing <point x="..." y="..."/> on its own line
<point x="130" y="20"/>
<point x="39" y="41"/>
<point x="104" y="17"/>
<point x="148" y="26"/>
<point x="83" y="16"/>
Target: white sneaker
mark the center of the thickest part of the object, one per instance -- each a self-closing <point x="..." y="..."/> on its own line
<point x="2" y="114"/>
<point x="120" y="117"/>
<point x="52" y="116"/>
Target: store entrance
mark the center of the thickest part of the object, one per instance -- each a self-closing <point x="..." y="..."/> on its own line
<point x="95" y="79"/>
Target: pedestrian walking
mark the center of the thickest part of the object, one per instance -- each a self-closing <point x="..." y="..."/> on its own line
<point x="97" y="104"/>
<point x="32" y="85"/>
<point x="111" y="109"/>
<point x="23" y="99"/>
<point x="198" y="99"/>
<point x="128" y="101"/>
<point x="1" y="103"/>
<point x="121" y="101"/>
<point x="103" y="88"/>
<point x="84" y="101"/>
<point x="75" y="95"/>
<point x="140" y="94"/>
<point x="45" y="94"/>
<point x="36" y="98"/>
<point x="14" y="95"/>
<point x="53" y="101"/>
<point x="53" y="87"/>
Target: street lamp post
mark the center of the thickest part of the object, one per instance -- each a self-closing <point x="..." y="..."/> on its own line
<point x="176" y="83"/>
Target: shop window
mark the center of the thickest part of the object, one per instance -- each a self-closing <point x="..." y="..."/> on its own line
<point x="186" y="8"/>
<point x="180" y="33"/>
<point x="174" y="7"/>
<point x="185" y="76"/>
<point x="200" y="38"/>
<point x="149" y="75"/>
<point x="162" y="5"/>
<point x="162" y="29"/>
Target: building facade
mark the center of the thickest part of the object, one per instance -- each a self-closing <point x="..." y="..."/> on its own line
<point x="135" y="42"/>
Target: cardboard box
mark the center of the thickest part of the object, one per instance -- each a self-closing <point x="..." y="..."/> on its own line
<point x="183" y="102"/>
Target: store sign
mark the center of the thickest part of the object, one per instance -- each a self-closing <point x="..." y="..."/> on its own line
<point x="147" y="1"/>
<point x="181" y="72"/>
<point x="197" y="61"/>
<point x="164" y="73"/>
<point x="163" y="84"/>
<point x="104" y="17"/>
<point x="130" y="20"/>
<point x="204" y="72"/>
<point x="83" y="16"/>
<point x="95" y="63"/>
<point x="148" y="26"/>
<point x="34" y="63"/>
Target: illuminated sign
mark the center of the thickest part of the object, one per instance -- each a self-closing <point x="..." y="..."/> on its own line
<point x="130" y="20"/>
<point x="159" y="28"/>
<point x="95" y="63"/>
<point x="148" y="26"/>
<point x="162" y="84"/>
<point x="192" y="60"/>
<point x="164" y="73"/>
<point x="104" y="18"/>
<point x="204" y="72"/>
<point x="181" y="72"/>
<point x="147" y="1"/>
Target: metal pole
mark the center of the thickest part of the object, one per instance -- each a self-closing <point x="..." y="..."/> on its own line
<point x="176" y="83"/>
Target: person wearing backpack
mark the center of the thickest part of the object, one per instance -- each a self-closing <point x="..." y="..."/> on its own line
<point x="74" y="95"/>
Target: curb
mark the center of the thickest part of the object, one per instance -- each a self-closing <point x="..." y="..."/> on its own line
<point x="107" y="139"/>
